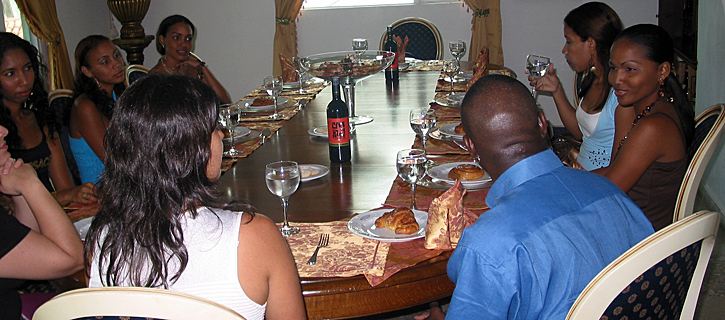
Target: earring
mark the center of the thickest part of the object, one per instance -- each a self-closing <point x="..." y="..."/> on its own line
<point x="662" y="87"/>
<point x="592" y="68"/>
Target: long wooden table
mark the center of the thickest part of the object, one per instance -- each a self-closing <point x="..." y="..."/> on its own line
<point x="350" y="188"/>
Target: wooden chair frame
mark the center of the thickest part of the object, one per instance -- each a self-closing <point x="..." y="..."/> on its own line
<point x="132" y="302"/>
<point x="430" y="25"/>
<point x="133" y="68"/>
<point x="609" y="283"/>
<point x="698" y="164"/>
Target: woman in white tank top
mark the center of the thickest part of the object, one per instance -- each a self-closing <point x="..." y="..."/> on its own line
<point x="160" y="223"/>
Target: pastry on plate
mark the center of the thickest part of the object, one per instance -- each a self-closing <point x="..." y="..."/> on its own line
<point x="459" y="129"/>
<point x="263" y="101"/>
<point x="466" y="172"/>
<point x="400" y="220"/>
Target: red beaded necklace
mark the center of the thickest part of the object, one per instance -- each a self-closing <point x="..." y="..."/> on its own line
<point x="642" y="114"/>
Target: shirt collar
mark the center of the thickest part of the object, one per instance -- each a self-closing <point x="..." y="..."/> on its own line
<point x="524" y="170"/>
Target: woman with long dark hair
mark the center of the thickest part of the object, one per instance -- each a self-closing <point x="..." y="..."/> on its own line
<point x="174" y="41"/>
<point x="33" y="129"/>
<point x="589" y="31"/>
<point x="99" y="77"/>
<point x="161" y="224"/>
<point x="652" y="157"/>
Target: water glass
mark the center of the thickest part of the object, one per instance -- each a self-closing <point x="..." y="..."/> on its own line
<point x="283" y="179"/>
<point x="273" y="85"/>
<point x="411" y="164"/>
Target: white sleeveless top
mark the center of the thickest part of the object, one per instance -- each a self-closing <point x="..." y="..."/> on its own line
<point x="211" y="272"/>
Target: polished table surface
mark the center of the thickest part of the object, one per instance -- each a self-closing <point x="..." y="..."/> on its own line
<point x="354" y="187"/>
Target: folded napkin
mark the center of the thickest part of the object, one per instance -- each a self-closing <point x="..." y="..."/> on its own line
<point x="402" y="44"/>
<point x="480" y="69"/>
<point x="447" y="218"/>
<point x="288" y="69"/>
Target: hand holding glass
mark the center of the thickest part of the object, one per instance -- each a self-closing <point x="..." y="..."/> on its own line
<point x="411" y="165"/>
<point x="537" y="66"/>
<point x="273" y="85"/>
<point x="283" y="178"/>
<point x="229" y="116"/>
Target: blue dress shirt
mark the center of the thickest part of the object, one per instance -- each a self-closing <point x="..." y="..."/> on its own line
<point x="550" y="230"/>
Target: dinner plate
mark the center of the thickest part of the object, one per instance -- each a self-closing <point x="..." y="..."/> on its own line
<point x="312" y="171"/>
<point x="364" y="225"/>
<point x="280" y="102"/>
<point x="241" y="132"/>
<point x="409" y="62"/>
<point x="82" y="227"/>
<point x="461" y="78"/>
<point x="307" y="80"/>
<point x="440" y="172"/>
<point x="320" y="131"/>
<point x="450" y="131"/>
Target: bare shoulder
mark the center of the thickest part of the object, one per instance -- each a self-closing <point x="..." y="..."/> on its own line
<point x="259" y="227"/>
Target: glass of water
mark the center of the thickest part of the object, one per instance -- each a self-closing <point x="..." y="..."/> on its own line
<point x="360" y="45"/>
<point x="537" y="66"/>
<point x="283" y="178"/>
<point x="423" y="120"/>
<point x="273" y="85"/>
<point x="411" y="164"/>
<point x="229" y="116"/>
<point x="458" y="49"/>
<point x="451" y="68"/>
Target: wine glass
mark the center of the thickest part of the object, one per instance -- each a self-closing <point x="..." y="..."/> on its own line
<point x="458" y="49"/>
<point x="537" y="66"/>
<point x="359" y="45"/>
<point x="273" y="85"/>
<point x="423" y="120"/>
<point x="229" y="114"/>
<point x="411" y="165"/>
<point x="450" y="68"/>
<point x="283" y="178"/>
<point x="299" y="71"/>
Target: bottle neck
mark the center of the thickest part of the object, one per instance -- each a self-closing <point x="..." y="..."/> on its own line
<point x="336" y="90"/>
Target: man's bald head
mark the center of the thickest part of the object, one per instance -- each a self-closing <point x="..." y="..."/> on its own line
<point x="502" y="121"/>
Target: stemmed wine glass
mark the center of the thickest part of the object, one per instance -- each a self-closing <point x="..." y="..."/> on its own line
<point x="450" y="68"/>
<point x="273" y="85"/>
<point x="423" y="120"/>
<point x="360" y="45"/>
<point x="458" y="49"/>
<point x="411" y="165"/>
<point x="229" y="114"/>
<point x="283" y="178"/>
<point x="298" y="70"/>
<point x="537" y="66"/>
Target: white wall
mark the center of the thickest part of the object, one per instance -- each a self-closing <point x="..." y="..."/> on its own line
<point x="710" y="90"/>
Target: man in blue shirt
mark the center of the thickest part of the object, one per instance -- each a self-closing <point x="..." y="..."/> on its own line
<point x="550" y="228"/>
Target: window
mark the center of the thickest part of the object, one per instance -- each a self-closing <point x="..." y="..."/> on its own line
<point x="13" y="19"/>
<point x="313" y="4"/>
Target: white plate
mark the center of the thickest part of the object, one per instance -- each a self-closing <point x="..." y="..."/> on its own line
<point x="82" y="227"/>
<point x="241" y="132"/>
<point x="462" y="77"/>
<point x="364" y="225"/>
<point x="280" y="102"/>
<point x="315" y="171"/>
<point x="441" y="173"/>
<point x="307" y="80"/>
<point x="450" y="130"/>
<point x="456" y="97"/>
<point x="320" y="131"/>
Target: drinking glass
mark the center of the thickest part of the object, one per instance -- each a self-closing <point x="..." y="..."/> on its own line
<point x="360" y="45"/>
<point x="283" y="178"/>
<point x="537" y="66"/>
<point x="229" y="114"/>
<point x="299" y="71"/>
<point x="458" y="49"/>
<point x="423" y="120"/>
<point x="273" y="85"/>
<point x="450" y="68"/>
<point x="411" y="165"/>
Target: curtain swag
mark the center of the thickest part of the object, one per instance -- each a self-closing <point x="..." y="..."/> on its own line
<point x="283" y="21"/>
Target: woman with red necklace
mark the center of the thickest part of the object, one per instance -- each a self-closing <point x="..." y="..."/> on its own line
<point x="173" y="41"/>
<point x="652" y="157"/>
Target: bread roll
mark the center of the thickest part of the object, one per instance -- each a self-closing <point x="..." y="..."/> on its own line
<point x="459" y="129"/>
<point x="466" y="172"/>
<point x="263" y="101"/>
<point x="400" y="220"/>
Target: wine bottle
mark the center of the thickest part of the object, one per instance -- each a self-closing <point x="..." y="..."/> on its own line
<point x="338" y="126"/>
<point x="391" y="72"/>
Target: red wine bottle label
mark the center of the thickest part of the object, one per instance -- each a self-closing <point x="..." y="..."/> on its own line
<point x="338" y="131"/>
<point x="393" y="65"/>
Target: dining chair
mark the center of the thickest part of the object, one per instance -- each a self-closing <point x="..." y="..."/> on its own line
<point x="425" y="43"/>
<point x="125" y="302"/>
<point x="134" y="72"/>
<point x="658" y="278"/>
<point x="61" y="102"/>
<point x="708" y="131"/>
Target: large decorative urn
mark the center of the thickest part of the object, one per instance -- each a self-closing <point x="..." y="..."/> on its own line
<point x="133" y="38"/>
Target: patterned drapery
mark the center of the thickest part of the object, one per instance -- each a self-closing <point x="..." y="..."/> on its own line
<point x="285" y="35"/>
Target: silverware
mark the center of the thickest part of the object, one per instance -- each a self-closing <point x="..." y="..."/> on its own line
<point x="301" y="103"/>
<point x="265" y="133"/>
<point x="324" y="240"/>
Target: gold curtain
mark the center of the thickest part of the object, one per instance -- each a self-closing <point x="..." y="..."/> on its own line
<point x="486" y="29"/>
<point x="285" y="35"/>
<point x="42" y="19"/>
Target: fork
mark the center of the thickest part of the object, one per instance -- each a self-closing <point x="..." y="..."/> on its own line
<point x="324" y="240"/>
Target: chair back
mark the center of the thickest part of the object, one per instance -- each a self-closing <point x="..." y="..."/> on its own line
<point x="708" y="131"/>
<point x="658" y="278"/>
<point x="425" y="43"/>
<point x="124" y="302"/>
<point x="61" y="102"/>
<point x="134" y="72"/>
